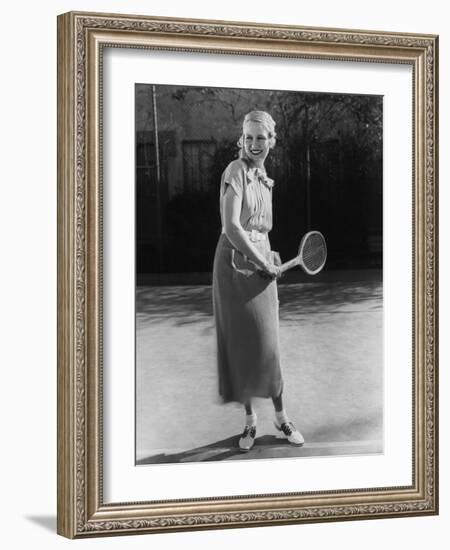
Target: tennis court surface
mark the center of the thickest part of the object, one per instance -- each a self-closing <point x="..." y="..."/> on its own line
<point x="331" y="348"/>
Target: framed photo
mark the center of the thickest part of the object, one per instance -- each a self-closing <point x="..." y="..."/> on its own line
<point x="205" y="380"/>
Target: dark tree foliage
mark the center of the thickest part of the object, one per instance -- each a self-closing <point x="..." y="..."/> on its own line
<point x="327" y="166"/>
<point x="191" y="231"/>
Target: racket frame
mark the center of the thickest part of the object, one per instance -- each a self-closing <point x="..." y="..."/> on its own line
<point x="298" y="259"/>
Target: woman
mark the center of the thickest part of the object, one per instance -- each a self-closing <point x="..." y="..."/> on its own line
<point x="245" y="294"/>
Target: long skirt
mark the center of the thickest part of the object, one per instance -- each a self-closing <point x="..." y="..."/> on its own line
<point x="246" y="310"/>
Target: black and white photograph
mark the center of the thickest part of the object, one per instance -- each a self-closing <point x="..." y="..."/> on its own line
<point x="247" y="275"/>
<point x="259" y="274"/>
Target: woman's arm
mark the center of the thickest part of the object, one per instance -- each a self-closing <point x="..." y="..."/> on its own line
<point x="238" y="237"/>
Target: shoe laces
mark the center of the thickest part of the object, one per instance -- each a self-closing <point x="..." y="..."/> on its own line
<point x="286" y="428"/>
<point x="249" y="430"/>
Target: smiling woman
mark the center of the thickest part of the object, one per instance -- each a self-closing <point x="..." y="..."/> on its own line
<point x="257" y="140"/>
<point x="245" y="294"/>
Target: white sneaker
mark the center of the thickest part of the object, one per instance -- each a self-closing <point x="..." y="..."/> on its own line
<point x="291" y="433"/>
<point x="247" y="439"/>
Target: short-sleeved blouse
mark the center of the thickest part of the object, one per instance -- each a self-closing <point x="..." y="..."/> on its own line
<point x="255" y="189"/>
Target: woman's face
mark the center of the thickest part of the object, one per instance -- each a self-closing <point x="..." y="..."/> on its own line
<point x="256" y="141"/>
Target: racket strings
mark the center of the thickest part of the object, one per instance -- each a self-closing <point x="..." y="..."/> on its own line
<point x="314" y="252"/>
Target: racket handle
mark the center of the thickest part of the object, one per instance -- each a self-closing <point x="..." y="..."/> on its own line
<point x="290" y="264"/>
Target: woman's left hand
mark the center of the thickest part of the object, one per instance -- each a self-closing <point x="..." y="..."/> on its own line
<point x="271" y="271"/>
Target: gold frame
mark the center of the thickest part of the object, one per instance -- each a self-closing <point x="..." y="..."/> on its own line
<point x="81" y="37"/>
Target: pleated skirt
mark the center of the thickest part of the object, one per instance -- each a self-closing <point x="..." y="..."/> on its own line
<point x="246" y="311"/>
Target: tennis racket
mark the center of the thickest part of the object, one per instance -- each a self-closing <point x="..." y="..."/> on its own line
<point x="312" y="254"/>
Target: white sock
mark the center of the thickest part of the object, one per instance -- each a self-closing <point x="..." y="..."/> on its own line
<point x="282" y="417"/>
<point x="250" y="419"/>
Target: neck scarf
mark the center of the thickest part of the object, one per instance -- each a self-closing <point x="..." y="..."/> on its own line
<point x="260" y="175"/>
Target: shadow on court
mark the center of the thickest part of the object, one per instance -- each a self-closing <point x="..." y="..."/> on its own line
<point x="227" y="449"/>
<point x="187" y="304"/>
<point x="219" y="450"/>
<point x="272" y="446"/>
<point x="266" y="446"/>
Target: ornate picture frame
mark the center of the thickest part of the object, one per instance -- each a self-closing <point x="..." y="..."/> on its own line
<point x="82" y="509"/>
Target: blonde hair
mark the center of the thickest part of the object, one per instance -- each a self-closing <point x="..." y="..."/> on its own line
<point x="263" y="118"/>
